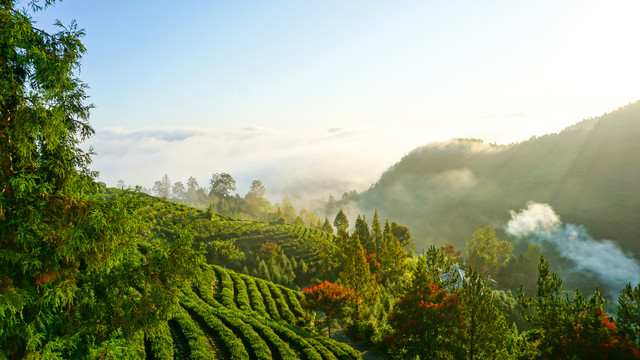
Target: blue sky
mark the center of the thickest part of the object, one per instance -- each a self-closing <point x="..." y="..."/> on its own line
<point x="343" y="86"/>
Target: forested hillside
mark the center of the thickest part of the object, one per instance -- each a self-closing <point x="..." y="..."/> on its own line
<point x="93" y="273"/>
<point x="588" y="173"/>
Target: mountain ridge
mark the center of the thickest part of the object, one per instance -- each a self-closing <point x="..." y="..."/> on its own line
<point x="588" y="172"/>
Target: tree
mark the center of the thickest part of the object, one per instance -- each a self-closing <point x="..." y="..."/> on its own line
<point x="522" y="271"/>
<point x="402" y="233"/>
<point x="192" y="191"/>
<point x="288" y="210"/>
<point x="73" y="269"/>
<point x="392" y="257"/>
<point x="341" y="223"/>
<point x="270" y="251"/>
<point x="326" y="255"/>
<point x="485" y="332"/>
<point x="362" y="229"/>
<point x="452" y="255"/>
<point x="356" y="275"/>
<point x="256" y="190"/>
<point x="376" y="231"/>
<point x="486" y="253"/>
<point x="575" y="328"/>
<point x="178" y="191"/>
<point x="628" y="313"/>
<point x="257" y="205"/>
<point x="222" y="184"/>
<point x="334" y="300"/>
<point x="162" y="188"/>
<point x="425" y="322"/>
<point x="326" y="227"/>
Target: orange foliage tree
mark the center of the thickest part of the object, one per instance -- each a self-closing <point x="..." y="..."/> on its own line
<point x="335" y="300"/>
<point x="424" y="322"/>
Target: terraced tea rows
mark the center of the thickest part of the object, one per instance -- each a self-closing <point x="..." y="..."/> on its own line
<point x="299" y="241"/>
<point x="227" y="315"/>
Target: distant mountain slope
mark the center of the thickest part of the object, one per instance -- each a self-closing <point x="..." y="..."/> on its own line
<point x="589" y="173"/>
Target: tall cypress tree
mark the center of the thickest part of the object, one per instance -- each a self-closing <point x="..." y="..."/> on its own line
<point x="376" y="231"/>
<point x="357" y="276"/>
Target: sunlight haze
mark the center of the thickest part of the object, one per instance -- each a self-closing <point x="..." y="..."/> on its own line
<point x="295" y="87"/>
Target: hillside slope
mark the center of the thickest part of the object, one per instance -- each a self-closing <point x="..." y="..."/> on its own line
<point x="227" y="315"/>
<point x="588" y="173"/>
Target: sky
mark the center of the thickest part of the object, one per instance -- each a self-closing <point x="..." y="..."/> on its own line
<point x="319" y="97"/>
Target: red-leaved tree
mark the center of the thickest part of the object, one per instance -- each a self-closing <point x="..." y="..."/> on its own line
<point x="424" y="322"/>
<point x="595" y="336"/>
<point x="334" y="300"/>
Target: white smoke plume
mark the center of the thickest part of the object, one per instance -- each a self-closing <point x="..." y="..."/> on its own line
<point x="601" y="258"/>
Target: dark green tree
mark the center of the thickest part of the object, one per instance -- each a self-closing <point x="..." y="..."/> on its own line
<point x="628" y="313"/>
<point x="392" y="257"/>
<point x="76" y="273"/>
<point x="572" y="328"/>
<point x="485" y="331"/>
<point x="341" y="223"/>
<point x="362" y="229"/>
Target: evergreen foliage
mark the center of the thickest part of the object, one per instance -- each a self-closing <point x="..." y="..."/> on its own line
<point x="77" y="276"/>
<point x="356" y="275"/>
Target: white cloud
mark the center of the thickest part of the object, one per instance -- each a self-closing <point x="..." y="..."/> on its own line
<point x="306" y="163"/>
<point x="602" y="258"/>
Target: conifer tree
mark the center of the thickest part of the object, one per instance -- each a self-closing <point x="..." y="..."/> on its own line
<point x="326" y="227"/>
<point x="341" y="223"/>
<point x="485" y="332"/>
<point x="398" y="259"/>
<point x="357" y="276"/>
<point x="576" y="328"/>
<point x="325" y="256"/>
<point x="628" y="313"/>
<point x="376" y="232"/>
<point x="72" y="269"/>
<point x="362" y="229"/>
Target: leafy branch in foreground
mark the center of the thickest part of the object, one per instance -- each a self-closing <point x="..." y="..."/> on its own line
<point x="71" y="267"/>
